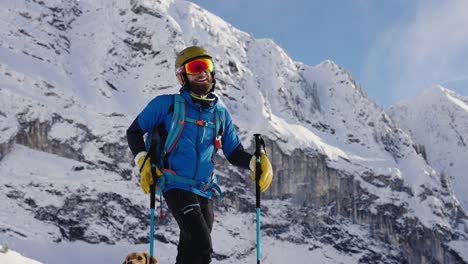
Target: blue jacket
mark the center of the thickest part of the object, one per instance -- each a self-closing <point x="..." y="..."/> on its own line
<point x="192" y="157"/>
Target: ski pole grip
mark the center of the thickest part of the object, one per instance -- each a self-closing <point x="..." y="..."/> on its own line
<point x="257" y="168"/>
<point x="153" y="188"/>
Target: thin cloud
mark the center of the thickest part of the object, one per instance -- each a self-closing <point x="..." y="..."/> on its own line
<point x="429" y="48"/>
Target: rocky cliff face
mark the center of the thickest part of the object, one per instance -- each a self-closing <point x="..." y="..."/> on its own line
<point x="310" y="182"/>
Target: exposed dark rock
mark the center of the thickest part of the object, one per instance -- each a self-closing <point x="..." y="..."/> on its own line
<point x="107" y="210"/>
<point x="139" y="9"/>
<point x="5" y="147"/>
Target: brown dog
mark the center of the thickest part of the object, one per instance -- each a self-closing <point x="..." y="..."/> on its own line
<point x="139" y="258"/>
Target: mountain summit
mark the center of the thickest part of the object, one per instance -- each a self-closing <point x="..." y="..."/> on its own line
<point x="438" y="122"/>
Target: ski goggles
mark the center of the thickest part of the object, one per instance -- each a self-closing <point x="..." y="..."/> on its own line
<point x="197" y="66"/>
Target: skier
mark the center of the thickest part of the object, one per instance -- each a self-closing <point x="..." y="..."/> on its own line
<point x="185" y="169"/>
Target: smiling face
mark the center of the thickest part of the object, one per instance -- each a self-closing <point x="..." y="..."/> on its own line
<point x="200" y="83"/>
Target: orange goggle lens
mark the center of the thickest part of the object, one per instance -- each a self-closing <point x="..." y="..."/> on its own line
<point x="199" y="65"/>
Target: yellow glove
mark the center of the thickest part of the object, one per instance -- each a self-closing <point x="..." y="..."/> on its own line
<point x="266" y="171"/>
<point x="145" y="175"/>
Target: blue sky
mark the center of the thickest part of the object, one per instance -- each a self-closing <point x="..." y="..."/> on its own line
<point x="395" y="49"/>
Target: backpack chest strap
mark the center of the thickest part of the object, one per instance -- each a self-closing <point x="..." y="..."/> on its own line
<point x="200" y="122"/>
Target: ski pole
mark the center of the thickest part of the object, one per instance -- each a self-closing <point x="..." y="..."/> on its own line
<point x="152" y="203"/>
<point x="257" y="189"/>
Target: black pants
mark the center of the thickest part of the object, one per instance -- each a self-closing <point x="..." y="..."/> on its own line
<point x="194" y="215"/>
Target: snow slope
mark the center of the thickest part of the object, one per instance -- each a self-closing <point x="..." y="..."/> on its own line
<point x="438" y="120"/>
<point x="8" y="256"/>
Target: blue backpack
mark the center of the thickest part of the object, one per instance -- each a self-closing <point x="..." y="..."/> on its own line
<point x="159" y="144"/>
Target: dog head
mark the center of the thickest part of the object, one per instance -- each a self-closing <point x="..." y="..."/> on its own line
<point x="139" y="258"/>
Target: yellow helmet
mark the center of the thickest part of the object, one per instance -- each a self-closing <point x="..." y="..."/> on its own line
<point x="190" y="53"/>
<point x="186" y="55"/>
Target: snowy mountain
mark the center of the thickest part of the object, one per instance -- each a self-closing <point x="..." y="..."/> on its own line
<point x="438" y="122"/>
<point x="350" y="186"/>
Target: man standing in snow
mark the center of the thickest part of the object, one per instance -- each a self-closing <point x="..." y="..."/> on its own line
<point x="192" y="127"/>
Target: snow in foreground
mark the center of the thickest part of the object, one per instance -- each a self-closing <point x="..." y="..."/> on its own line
<point x="8" y="256"/>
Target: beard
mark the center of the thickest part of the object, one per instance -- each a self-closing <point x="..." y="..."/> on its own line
<point x="201" y="89"/>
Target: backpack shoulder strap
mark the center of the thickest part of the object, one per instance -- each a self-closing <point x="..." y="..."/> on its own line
<point x="152" y="146"/>
<point x="178" y="124"/>
<point x="148" y="140"/>
<point x="220" y="120"/>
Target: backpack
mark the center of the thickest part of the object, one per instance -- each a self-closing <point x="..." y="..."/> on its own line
<point x="159" y="143"/>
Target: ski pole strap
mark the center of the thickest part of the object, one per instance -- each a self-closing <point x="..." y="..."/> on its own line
<point x="262" y="142"/>
<point x="144" y="161"/>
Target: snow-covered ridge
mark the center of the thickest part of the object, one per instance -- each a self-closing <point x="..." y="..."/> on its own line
<point x="438" y="121"/>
